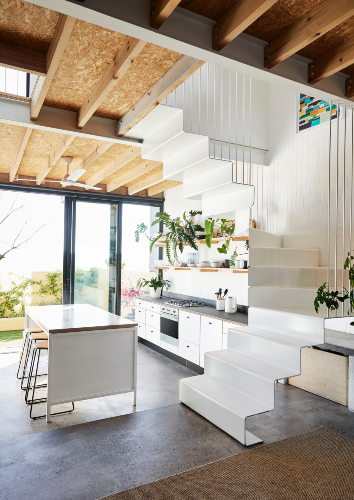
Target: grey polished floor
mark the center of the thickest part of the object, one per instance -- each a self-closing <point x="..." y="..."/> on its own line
<point x="94" y="459"/>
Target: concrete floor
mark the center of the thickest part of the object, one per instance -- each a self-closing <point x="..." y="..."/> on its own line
<point x="94" y="459"/>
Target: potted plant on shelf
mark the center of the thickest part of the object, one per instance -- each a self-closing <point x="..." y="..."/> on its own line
<point x="156" y="285"/>
<point x="235" y="254"/>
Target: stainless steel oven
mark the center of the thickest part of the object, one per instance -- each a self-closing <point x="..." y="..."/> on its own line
<point x="169" y="325"/>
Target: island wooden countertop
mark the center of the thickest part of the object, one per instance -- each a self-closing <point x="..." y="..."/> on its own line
<point x="76" y="317"/>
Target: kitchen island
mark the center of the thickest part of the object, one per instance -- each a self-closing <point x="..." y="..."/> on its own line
<point x="91" y="353"/>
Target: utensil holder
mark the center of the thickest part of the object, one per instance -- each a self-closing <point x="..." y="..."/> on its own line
<point x="220" y="304"/>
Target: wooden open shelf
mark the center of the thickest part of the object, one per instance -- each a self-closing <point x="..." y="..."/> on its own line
<point x="204" y="269"/>
<point x="239" y="271"/>
<point x="214" y="241"/>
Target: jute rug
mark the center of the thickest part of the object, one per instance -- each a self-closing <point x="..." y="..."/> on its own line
<point x="318" y="464"/>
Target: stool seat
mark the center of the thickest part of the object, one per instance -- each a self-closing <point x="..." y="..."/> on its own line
<point x="39" y="336"/>
<point x="34" y="329"/>
<point x="41" y="345"/>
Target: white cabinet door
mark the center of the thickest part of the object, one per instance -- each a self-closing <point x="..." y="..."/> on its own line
<point x="151" y="306"/>
<point x="140" y="315"/>
<point x="189" y="327"/>
<point x="189" y="351"/>
<point x="152" y="335"/>
<point x="140" y="303"/>
<point x="210" y="336"/>
<point x="153" y="319"/>
<point x="141" y="330"/>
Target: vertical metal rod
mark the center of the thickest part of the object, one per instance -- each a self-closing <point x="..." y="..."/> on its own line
<point x="329" y="198"/>
<point x="345" y="145"/>
<point x="243" y="131"/>
<point x="351" y="204"/>
<point x="335" y="246"/>
<point x="207" y="102"/>
<point x="250" y="174"/>
<point x="257" y="166"/>
<point x="236" y="119"/>
<point x="262" y="196"/>
<point x="183" y="93"/>
<point x="192" y="104"/>
<point x="214" y="108"/>
<point x="229" y="107"/>
<point x="200" y="85"/>
<point x="221" y="106"/>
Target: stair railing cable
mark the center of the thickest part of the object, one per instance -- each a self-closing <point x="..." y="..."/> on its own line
<point x="329" y="197"/>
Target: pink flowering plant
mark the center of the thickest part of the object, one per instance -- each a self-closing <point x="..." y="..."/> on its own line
<point x="129" y="293"/>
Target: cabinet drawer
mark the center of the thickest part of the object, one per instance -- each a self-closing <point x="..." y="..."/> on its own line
<point x="188" y="351"/>
<point x="189" y="327"/>
<point x="140" y="315"/>
<point x="140" y="303"/>
<point x="210" y="336"/>
<point x="169" y="347"/>
<point x="152" y="335"/>
<point x="141" y="330"/>
<point x="226" y="325"/>
<point x="150" y="306"/>
<point x="152" y="319"/>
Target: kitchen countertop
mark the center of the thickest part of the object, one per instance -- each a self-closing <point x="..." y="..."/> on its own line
<point x="338" y="343"/>
<point x="237" y="317"/>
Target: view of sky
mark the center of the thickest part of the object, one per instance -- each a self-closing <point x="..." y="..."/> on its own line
<point x="12" y="81"/>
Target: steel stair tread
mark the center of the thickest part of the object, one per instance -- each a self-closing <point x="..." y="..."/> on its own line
<point x="228" y="397"/>
<point x="256" y="366"/>
<point x="281" y="338"/>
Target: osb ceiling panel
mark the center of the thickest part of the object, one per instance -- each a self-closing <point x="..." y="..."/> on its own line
<point x="90" y="50"/>
<point x="9" y="139"/>
<point x="27" y="25"/>
<point x="110" y="155"/>
<point x="145" y="177"/>
<point x="77" y="149"/>
<point x="39" y="147"/>
<point x="137" y="162"/>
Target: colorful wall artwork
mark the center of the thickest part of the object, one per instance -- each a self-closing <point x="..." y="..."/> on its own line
<point x="313" y="112"/>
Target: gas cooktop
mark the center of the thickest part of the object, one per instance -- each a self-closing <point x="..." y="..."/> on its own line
<point x="185" y="303"/>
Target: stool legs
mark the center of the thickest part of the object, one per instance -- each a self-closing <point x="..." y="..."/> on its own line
<point x="21" y="358"/>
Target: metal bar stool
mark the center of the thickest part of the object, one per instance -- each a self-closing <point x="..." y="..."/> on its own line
<point x="27" y="332"/>
<point x="33" y="338"/>
<point x="37" y="349"/>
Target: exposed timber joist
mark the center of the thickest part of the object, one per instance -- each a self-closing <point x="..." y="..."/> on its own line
<point x="316" y="23"/>
<point x="236" y="19"/>
<point x="349" y="87"/>
<point x="160" y="10"/>
<point x="331" y="62"/>
<point x="162" y="186"/>
<point x="123" y="159"/>
<point x="191" y="35"/>
<point x="133" y="173"/>
<point x="22" y="59"/>
<point x="117" y="69"/>
<point x="182" y="69"/>
<point x="59" y="150"/>
<point x="98" y="150"/>
<point x="58" y="44"/>
<point x="15" y="112"/>
<point x="25" y="136"/>
<point x="146" y="181"/>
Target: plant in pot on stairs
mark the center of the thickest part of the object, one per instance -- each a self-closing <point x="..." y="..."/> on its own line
<point x="156" y="285"/>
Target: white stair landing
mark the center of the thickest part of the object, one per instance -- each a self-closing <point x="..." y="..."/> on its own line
<point x="223" y="405"/>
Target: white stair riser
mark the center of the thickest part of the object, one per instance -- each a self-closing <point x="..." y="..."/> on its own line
<point x="221" y="203"/>
<point x="218" y="415"/>
<point x="209" y="180"/>
<point x="294" y="298"/>
<point x="263" y="239"/>
<point x="265" y="350"/>
<point x="253" y="385"/>
<point x="284" y="257"/>
<point x="189" y="160"/>
<point x="310" y="277"/>
<point x="298" y="325"/>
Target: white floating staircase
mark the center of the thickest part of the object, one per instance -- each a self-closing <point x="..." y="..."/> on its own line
<point x="186" y="157"/>
<point x="238" y="382"/>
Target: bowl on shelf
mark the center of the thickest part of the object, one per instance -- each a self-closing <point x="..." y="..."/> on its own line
<point x="216" y="263"/>
<point x="203" y="264"/>
<point x="200" y="235"/>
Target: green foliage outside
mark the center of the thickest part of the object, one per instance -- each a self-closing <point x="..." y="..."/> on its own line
<point x="15" y="296"/>
<point x="12" y="337"/>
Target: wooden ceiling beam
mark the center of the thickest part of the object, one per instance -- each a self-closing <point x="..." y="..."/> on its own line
<point x="123" y="159"/>
<point x="146" y="181"/>
<point x="236" y="19"/>
<point x="182" y="69"/>
<point x="58" y="151"/>
<point x="57" y="46"/>
<point x="117" y="69"/>
<point x="162" y="186"/>
<point x="25" y="136"/>
<point x="160" y="10"/>
<point x="133" y="173"/>
<point x="316" y="23"/>
<point x="22" y="59"/>
<point x="95" y="152"/>
<point x="331" y="62"/>
<point x="349" y="87"/>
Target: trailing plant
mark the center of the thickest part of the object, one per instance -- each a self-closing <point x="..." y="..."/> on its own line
<point x="52" y="287"/>
<point x="179" y="231"/>
<point x="235" y="254"/>
<point x="155" y="283"/>
<point x="331" y="299"/>
<point x="228" y="227"/>
<point x="140" y="229"/>
<point x="15" y="296"/>
<point x="209" y="229"/>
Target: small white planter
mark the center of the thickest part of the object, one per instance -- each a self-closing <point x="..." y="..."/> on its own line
<point x="155" y="295"/>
